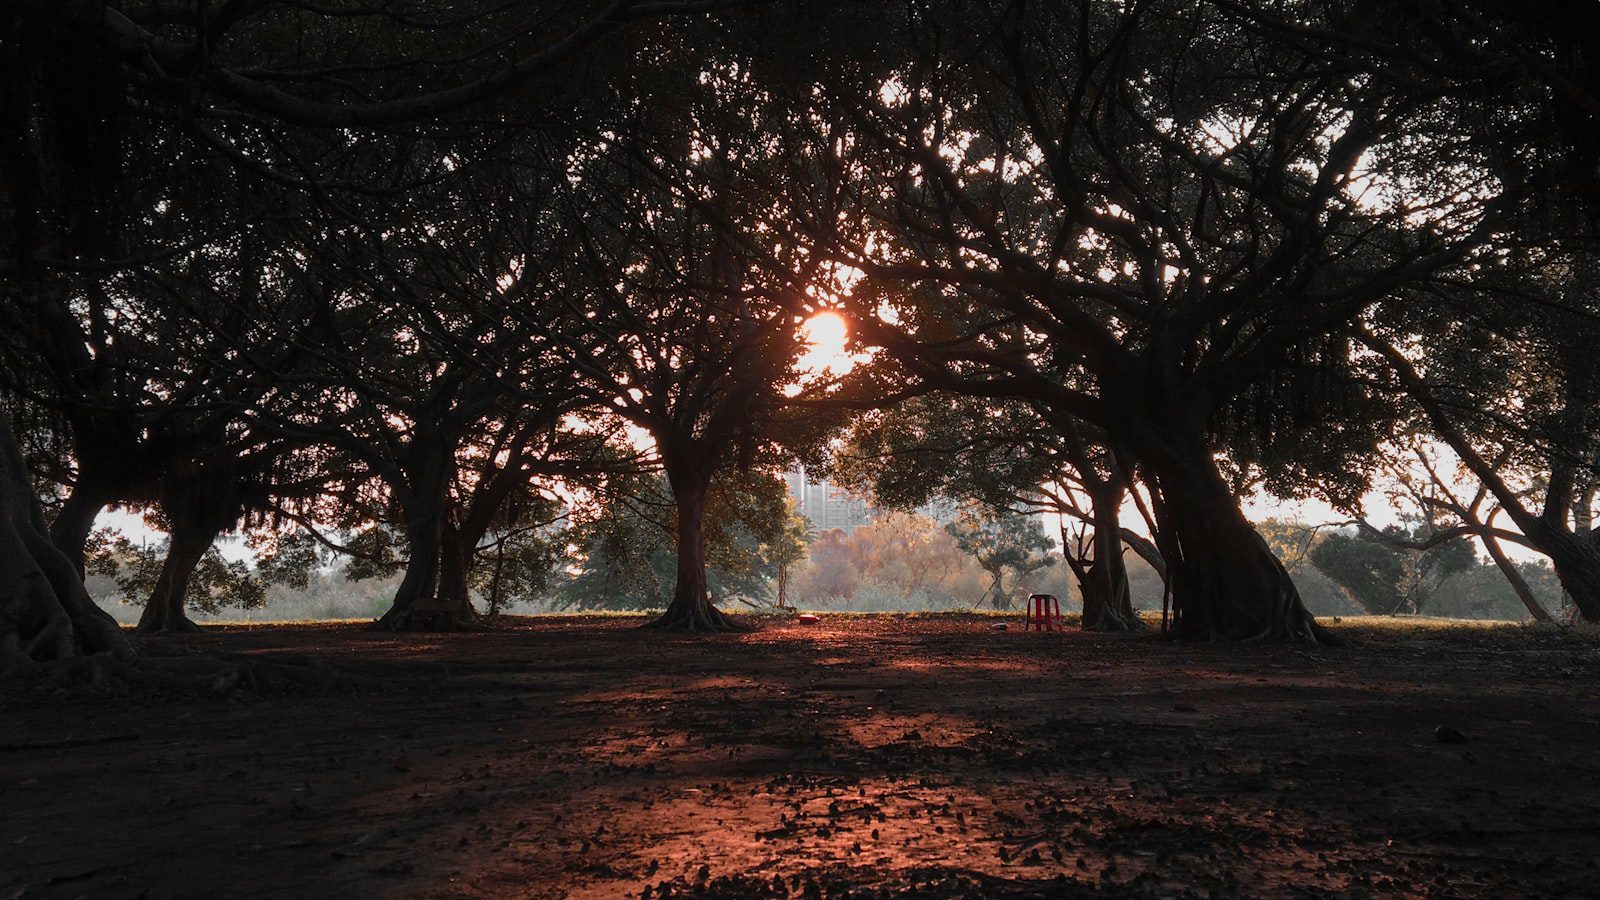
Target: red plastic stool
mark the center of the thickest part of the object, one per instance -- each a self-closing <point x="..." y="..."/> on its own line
<point x="1044" y="613"/>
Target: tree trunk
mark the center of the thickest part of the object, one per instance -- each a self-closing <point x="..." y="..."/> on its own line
<point x="1577" y="563"/>
<point x="426" y="600"/>
<point x="70" y="531"/>
<point x="163" y="612"/>
<point x="1519" y="585"/>
<point x="691" y="609"/>
<point x="999" y="601"/>
<point x="494" y="583"/>
<point x="455" y="562"/>
<point x="1107" y="598"/>
<point x="1226" y="582"/>
<point x="45" y="614"/>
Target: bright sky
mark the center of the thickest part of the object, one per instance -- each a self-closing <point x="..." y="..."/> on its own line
<point x="825" y="334"/>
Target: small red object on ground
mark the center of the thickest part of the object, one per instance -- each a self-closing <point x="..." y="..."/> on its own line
<point x="1044" y="613"/>
<point x="807" y="619"/>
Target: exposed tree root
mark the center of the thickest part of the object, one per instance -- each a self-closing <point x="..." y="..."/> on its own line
<point x="429" y="620"/>
<point x="1300" y="630"/>
<point x="180" y="625"/>
<point x="53" y="636"/>
<point x="45" y="614"/>
<point x="695" y="618"/>
<point x="1326" y="637"/>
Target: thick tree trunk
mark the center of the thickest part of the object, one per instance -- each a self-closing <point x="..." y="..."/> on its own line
<point x="691" y="609"/>
<point x="1107" y="598"/>
<point x="116" y="463"/>
<point x="45" y="614"/>
<point x="70" y="530"/>
<point x="164" y="611"/>
<point x="1576" y="560"/>
<point x="424" y="600"/>
<point x="455" y="562"/>
<point x="1226" y="582"/>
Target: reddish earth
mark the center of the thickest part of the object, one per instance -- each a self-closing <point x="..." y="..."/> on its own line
<point x="859" y="756"/>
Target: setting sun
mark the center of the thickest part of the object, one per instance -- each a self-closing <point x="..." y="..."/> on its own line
<point x="825" y="334"/>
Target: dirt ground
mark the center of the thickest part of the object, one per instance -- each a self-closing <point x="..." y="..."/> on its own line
<point x="862" y="756"/>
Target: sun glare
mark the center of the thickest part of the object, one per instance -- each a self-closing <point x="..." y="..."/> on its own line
<point x="825" y="334"/>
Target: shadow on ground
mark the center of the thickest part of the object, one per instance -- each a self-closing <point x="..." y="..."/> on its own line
<point x="864" y="756"/>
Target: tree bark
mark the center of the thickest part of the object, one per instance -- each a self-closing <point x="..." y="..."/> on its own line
<point x="691" y="609"/>
<point x="1519" y="585"/>
<point x="1577" y="563"/>
<point x="1107" y="597"/>
<point x="427" y="599"/>
<point x="45" y="614"/>
<point x="455" y="562"/>
<point x="1226" y="582"/>
<point x="164" y="611"/>
<point x="70" y="530"/>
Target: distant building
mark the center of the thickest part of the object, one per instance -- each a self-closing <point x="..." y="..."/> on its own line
<point x="940" y="509"/>
<point x="827" y="506"/>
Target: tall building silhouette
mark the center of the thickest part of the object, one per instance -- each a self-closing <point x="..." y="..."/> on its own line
<point x="827" y="506"/>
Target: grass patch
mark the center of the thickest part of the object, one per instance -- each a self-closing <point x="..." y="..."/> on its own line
<point x="1392" y="629"/>
<point x="1375" y="630"/>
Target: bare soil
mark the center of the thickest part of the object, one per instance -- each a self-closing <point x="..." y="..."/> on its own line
<point x="862" y="756"/>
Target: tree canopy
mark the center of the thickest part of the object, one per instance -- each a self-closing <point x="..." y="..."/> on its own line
<point x="466" y="290"/>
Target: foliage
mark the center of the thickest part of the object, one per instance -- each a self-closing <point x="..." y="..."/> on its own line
<point x="1386" y="579"/>
<point x="623" y="547"/>
<point x="1185" y="250"/>
<point x="287" y="558"/>
<point x="898" y="561"/>
<point x="1001" y="541"/>
<point x="1291" y="542"/>
<point x="519" y="566"/>
<point x="376" y="550"/>
<point x="217" y="583"/>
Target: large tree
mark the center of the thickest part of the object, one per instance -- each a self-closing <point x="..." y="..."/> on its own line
<point x="434" y="379"/>
<point x="1009" y="455"/>
<point x="290" y="91"/>
<point x="1151" y="218"/>
<point x="1509" y="385"/>
<point x="685" y="307"/>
